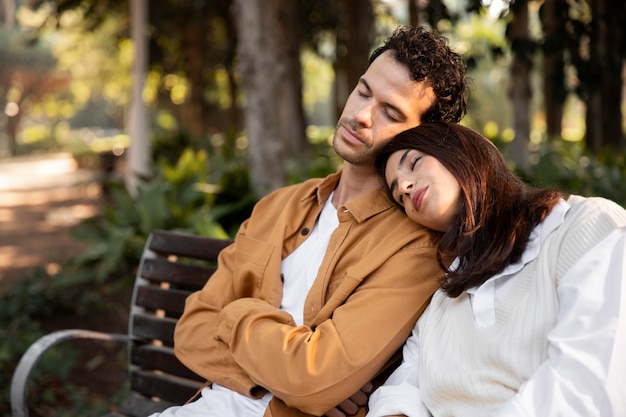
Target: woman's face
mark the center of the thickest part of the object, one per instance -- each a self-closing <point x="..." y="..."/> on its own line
<point x="424" y="187"/>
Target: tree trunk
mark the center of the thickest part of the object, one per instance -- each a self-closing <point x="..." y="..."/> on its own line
<point x="139" y="154"/>
<point x="414" y="13"/>
<point x="271" y="76"/>
<point x="194" y="43"/>
<point x="553" y="16"/>
<point x="604" y="116"/>
<point x="9" y="8"/>
<point x="12" y="126"/>
<point x="290" y="111"/>
<point x="520" y="91"/>
<point x="354" y="43"/>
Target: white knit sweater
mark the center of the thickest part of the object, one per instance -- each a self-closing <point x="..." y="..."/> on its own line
<point x="466" y="370"/>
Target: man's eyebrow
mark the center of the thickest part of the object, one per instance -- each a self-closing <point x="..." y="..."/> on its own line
<point x="386" y="104"/>
<point x="394" y="183"/>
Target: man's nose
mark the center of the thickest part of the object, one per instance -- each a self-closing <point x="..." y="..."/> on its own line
<point x="364" y="116"/>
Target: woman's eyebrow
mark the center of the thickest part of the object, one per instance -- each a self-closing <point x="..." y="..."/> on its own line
<point x="394" y="183"/>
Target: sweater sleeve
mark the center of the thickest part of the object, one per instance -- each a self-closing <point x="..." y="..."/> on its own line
<point x="400" y="394"/>
<point x="584" y="372"/>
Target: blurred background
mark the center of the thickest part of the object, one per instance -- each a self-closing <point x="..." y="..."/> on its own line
<point x="121" y="116"/>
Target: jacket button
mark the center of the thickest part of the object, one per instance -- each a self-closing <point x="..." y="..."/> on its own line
<point x="305" y="231"/>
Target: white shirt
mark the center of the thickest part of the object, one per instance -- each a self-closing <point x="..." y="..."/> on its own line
<point x="587" y="346"/>
<point x="300" y="268"/>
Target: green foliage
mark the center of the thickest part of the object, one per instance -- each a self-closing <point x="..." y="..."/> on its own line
<point x="170" y="200"/>
<point x="23" y="307"/>
<point x="569" y="167"/>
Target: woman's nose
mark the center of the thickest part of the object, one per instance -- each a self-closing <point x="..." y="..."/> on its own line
<point x="405" y="185"/>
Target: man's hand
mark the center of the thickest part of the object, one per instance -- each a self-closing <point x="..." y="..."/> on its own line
<point x="351" y="406"/>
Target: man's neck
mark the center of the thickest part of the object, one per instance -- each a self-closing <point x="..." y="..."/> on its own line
<point x="354" y="182"/>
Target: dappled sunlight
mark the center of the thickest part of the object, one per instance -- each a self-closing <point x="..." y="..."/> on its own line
<point x="41" y="198"/>
<point x="70" y="216"/>
<point x="6" y="215"/>
<point x="13" y="257"/>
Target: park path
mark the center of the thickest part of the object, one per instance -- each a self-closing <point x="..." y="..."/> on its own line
<point x="41" y="199"/>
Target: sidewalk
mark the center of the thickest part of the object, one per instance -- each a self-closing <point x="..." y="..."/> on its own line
<point x="41" y="199"/>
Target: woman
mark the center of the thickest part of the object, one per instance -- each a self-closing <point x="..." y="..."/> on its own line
<point x="530" y="319"/>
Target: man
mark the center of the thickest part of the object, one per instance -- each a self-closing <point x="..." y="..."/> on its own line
<point x="326" y="279"/>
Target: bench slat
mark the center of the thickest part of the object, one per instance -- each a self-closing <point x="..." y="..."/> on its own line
<point x="163" y="359"/>
<point x="151" y="327"/>
<point x="170" y="300"/>
<point x="176" y="243"/>
<point x="176" y="390"/>
<point x="162" y="270"/>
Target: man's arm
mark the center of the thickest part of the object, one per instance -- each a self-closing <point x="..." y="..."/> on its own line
<point x="195" y="340"/>
<point x="314" y="369"/>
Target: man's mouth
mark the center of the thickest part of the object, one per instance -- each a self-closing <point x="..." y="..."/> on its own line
<point x="350" y="135"/>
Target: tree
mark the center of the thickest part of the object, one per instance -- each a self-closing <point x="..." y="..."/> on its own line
<point x="272" y="84"/>
<point x="606" y="55"/>
<point x="27" y="74"/>
<point x="7" y="12"/>
<point x="195" y="43"/>
<point x="354" y="36"/>
<point x="553" y="16"/>
<point x="520" y="90"/>
<point x="198" y="60"/>
<point x="140" y="151"/>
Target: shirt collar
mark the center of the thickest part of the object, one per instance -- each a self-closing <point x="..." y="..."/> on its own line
<point x="361" y="208"/>
<point x="483" y="297"/>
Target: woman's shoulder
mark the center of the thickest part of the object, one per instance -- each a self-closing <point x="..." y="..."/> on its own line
<point x="588" y="221"/>
<point x="596" y="209"/>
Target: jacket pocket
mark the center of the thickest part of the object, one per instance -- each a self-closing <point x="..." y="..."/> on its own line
<point x="252" y="259"/>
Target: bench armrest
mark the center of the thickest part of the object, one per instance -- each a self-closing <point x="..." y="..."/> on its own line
<point x="28" y="361"/>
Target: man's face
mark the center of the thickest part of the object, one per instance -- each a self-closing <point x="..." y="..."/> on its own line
<point x="384" y="103"/>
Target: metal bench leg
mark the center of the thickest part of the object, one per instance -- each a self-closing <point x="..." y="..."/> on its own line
<point x="21" y="376"/>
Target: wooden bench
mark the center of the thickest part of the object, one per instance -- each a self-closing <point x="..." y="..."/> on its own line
<point x="172" y="266"/>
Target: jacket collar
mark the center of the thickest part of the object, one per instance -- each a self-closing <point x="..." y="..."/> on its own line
<point x="361" y="208"/>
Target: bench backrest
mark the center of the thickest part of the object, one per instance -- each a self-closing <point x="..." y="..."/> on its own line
<point x="173" y="266"/>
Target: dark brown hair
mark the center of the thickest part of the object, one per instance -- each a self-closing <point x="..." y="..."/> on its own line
<point x="428" y="58"/>
<point x="497" y="210"/>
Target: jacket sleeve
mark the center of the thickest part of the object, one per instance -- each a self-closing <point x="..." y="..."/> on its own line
<point x="314" y="369"/>
<point x="195" y="343"/>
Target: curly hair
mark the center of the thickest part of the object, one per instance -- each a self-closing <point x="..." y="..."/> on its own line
<point x="428" y="57"/>
<point x="498" y="211"/>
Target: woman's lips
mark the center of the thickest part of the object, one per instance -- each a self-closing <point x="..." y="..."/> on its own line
<point x="418" y="198"/>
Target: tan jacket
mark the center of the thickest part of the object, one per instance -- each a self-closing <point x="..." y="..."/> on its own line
<point x="376" y="278"/>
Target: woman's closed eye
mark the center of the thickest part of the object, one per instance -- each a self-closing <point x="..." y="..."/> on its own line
<point x="414" y="161"/>
<point x="411" y="166"/>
